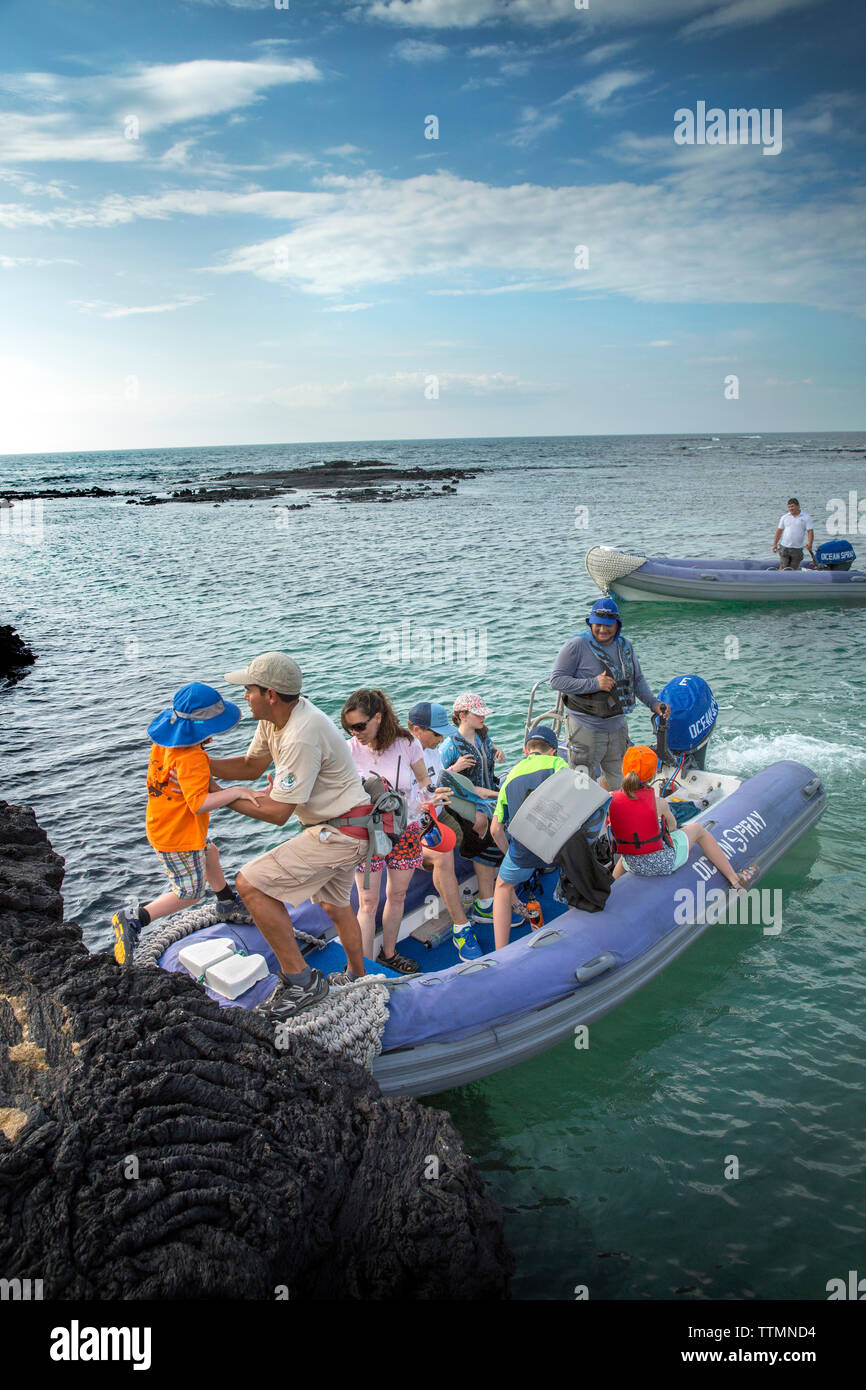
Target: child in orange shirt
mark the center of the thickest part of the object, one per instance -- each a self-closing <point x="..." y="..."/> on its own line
<point x="178" y="811"/>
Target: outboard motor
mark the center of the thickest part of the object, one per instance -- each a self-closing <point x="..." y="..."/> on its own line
<point x="692" y="719"/>
<point x="835" y="555"/>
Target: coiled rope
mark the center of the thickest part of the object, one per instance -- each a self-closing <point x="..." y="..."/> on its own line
<point x="349" y="1021"/>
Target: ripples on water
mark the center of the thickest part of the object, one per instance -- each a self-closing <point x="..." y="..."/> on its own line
<point x="610" y="1162"/>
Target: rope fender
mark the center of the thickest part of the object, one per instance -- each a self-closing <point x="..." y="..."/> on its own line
<point x="350" y="1021"/>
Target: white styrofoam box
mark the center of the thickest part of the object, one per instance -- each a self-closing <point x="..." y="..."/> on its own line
<point x="236" y="974"/>
<point x="201" y="955"/>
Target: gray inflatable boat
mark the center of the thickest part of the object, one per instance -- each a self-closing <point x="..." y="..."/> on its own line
<point x="658" y="579"/>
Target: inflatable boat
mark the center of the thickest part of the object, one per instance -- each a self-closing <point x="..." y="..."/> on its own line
<point x="655" y="579"/>
<point x="456" y="1022"/>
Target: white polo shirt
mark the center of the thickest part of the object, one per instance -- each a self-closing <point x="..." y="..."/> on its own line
<point x="795" y="530"/>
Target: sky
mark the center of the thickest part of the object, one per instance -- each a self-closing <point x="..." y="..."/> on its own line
<point x="261" y="221"/>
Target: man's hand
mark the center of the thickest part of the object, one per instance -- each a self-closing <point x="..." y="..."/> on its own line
<point x="248" y="794"/>
<point x="661" y="708"/>
<point x="605" y="682"/>
<point x="480" y="825"/>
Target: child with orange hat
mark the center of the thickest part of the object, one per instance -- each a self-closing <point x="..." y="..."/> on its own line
<point x="644" y="828"/>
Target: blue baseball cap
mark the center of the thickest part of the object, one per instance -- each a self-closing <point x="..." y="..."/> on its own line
<point x="196" y="712"/>
<point x="604" y="612"/>
<point x="544" y="732"/>
<point x="428" y="715"/>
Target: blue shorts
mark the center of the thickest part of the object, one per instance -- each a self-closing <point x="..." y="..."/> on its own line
<point x="662" y="861"/>
<point x="513" y="873"/>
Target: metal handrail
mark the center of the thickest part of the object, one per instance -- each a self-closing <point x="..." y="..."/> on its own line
<point x="554" y="716"/>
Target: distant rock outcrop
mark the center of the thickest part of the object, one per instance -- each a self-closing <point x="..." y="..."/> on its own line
<point x="16" y="658"/>
<point x="153" y="1145"/>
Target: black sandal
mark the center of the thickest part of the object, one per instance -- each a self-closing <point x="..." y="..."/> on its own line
<point x="402" y="964"/>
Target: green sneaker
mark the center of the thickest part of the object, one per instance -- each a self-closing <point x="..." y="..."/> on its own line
<point x="466" y="943"/>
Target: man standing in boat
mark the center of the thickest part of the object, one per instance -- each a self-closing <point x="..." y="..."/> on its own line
<point x="316" y="780"/>
<point x="599" y="677"/>
<point x="794" y="527"/>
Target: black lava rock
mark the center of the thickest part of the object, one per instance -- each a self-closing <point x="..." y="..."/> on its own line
<point x="153" y="1145"/>
<point x="16" y="658"/>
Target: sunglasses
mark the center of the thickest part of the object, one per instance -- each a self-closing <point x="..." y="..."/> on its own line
<point x="356" y="728"/>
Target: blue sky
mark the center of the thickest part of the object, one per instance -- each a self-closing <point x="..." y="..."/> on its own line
<point x="224" y="222"/>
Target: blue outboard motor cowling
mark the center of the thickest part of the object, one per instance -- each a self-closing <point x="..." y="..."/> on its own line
<point x="835" y="555"/>
<point x="693" y="716"/>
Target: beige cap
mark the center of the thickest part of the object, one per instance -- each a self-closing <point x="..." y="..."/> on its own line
<point x="273" y="671"/>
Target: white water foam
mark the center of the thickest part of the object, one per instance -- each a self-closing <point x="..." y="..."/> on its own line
<point x="749" y="753"/>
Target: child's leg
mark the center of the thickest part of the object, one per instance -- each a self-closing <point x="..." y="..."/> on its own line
<point x="503" y="902"/>
<point x="620" y="868"/>
<point x="213" y="869"/>
<point x="168" y="903"/>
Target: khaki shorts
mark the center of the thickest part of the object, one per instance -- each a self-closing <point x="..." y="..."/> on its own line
<point x="307" y="867"/>
<point x="598" y="751"/>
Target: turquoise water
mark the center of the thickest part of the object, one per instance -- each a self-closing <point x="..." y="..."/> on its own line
<point x="610" y="1162"/>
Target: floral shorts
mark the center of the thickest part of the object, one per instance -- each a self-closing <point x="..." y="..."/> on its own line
<point x="406" y="854"/>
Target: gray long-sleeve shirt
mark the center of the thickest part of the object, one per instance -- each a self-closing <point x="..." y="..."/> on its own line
<point x="576" y="671"/>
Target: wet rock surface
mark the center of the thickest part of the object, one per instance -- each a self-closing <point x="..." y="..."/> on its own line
<point x="153" y="1145"/>
<point x="358" y="479"/>
<point x="16" y="658"/>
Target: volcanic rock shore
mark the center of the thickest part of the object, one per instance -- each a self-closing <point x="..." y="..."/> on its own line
<point x="357" y="480"/>
<point x="16" y="658"/>
<point x="153" y="1145"/>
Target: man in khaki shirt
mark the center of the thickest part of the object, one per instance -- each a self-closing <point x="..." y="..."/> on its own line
<point x="316" y="780"/>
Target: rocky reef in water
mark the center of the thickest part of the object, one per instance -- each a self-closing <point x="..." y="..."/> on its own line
<point x="16" y="658"/>
<point x="153" y="1145"/>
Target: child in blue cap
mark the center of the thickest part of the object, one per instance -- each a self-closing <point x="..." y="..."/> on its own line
<point x="180" y="795"/>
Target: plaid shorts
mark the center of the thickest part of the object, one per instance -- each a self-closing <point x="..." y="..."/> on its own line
<point x="185" y="869"/>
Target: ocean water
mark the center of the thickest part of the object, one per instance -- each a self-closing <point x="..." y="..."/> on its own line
<point x="610" y="1162"/>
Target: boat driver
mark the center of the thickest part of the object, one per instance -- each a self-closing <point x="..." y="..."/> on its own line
<point x="794" y="527"/>
<point x="599" y="677"/>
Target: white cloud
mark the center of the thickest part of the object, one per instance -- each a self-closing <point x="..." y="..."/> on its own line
<point x="599" y="90"/>
<point x="13" y="262"/>
<point x="343" y="151"/>
<point x="606" y="51"/>
<point x="534" y="123"/>
<point x="109" y="118"/>
<point x="420" y="51"/>
<point x="470" y="14"/>
<point x="106" y="310"/>
<point x="711" y="231"/>
<point x="352" y="308"/>
<point x="398" y="387"/>
<point x="661" y="342"/>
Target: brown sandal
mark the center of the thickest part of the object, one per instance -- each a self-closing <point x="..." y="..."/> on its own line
<point x="402" y="964"/>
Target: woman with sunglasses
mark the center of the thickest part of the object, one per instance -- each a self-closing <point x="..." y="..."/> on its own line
<point x="380" y="745"/>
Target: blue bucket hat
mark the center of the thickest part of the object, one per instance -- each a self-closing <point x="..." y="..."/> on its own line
<point x="604" y="612"/>
<point x="196" y="712"/>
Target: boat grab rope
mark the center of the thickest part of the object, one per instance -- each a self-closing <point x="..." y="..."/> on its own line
<point x="604" y="565"/>
<point x="350" y="1020"/>
<point x="192" y="919"/>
